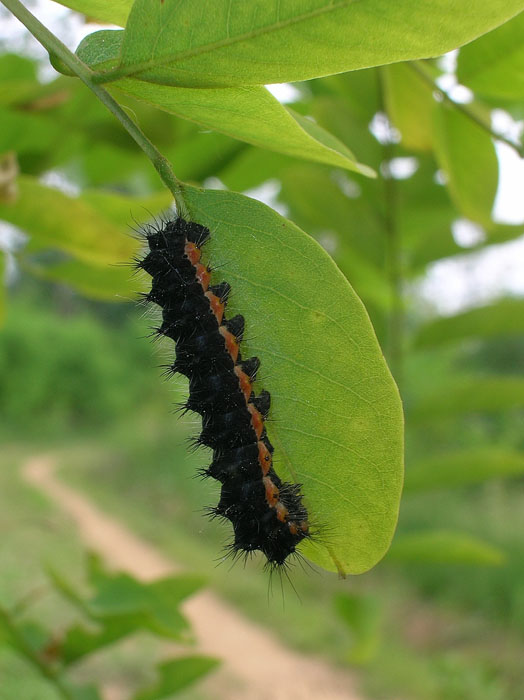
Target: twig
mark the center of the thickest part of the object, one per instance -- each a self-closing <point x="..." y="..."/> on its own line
<point x="426" y="75"/>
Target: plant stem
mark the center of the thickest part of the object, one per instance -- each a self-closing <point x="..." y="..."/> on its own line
<point x="423" y="71"/>
<point x="22" y="646"/>
<point x="54" y="46"/>
<point x="393" y="257"/>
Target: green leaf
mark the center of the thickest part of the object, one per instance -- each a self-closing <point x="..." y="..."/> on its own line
<point x="66" y="588"/>
<point x="157" y="602"/>
<point x="454" y="469"/>
<point x="80" y="641"/>
<point x="318" y="203"/>
<point x="362" y="615"/>
<point x="467" y="155"/>
<point x="98" y="234"/>
<point x="494" y="65"/>
<point x="25" y="132"/>
<point x="26" y="638"/>
<point x="181" y="42"/>
<point x="336" y="415"/>
<point x="121" y="606"/>
<point x="327" y="139"/>
<point x="85" y="692"/>
<point x="410" y="106"/>
<point x="505" y="317"/>
<point x="6" y="632"/>
<point x="113" y="12"/>
<point x="176" y="675"/>
<point x="250" y="114"/>
<point x="107" y="283"/>
<point x="443" y="547"/>
<point x="470" y="394"/>
<point x="17" y="78"/>
<point x="120" y="593"/>
<point x="252" y="167"/>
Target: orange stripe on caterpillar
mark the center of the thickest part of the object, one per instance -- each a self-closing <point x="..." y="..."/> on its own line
<point x="264" y="458"/>
<point x="231" y="342"/>
<point x="282" y="512"/>
<point x="217" y="307"/>
<point x="192" y="253"/>
<point x="244" y="381"/>
<point x="256" y="420"/>
<point x="203" y="275"/>
<point x="272" y="493"/>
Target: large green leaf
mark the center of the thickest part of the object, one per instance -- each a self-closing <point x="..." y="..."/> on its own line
<point x="251" y="114"/>
<point x="176" y="675"/>
<point x="502" y="318"/>
<point x="494" y="65"/>
<point x="336" y="417"/>
<point x="443" y="547"/>
<point x="470" y="394"/>
<point x="467" y="155"/>
<point x="183" y="42"/>
<point x="463" y="467"/>
<point x="94" y="227"/>
<point x="113" y="12"/>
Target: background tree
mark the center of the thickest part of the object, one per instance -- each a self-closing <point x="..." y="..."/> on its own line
<point x="428" y="128"/>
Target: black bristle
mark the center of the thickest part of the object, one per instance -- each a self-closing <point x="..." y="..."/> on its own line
<point x="236" y="325"/>
<point x="250" y="488"/>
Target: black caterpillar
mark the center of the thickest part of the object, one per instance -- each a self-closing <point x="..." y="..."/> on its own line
<point x="266" y="514"/>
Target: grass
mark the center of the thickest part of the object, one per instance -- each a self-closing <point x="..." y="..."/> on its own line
<point x="449" y="643"/>
<point x="35" y="536"/>
<point x="447" y="632"/>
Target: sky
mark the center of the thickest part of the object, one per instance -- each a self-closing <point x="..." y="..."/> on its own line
<point x="450" y="285"/>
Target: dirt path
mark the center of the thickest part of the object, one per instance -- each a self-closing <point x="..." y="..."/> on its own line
<point x="255" y="664"/>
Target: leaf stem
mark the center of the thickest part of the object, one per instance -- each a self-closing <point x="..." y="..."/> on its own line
<point x="54" y="46"/>
<point x="424" y="73"/>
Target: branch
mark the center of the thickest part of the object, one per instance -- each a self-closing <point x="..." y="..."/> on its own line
<point x="54" y="46"/>
<point x="30" y="655"/>
<point x="422" y="71"/>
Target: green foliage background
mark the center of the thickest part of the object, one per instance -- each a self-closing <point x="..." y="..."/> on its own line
<point x="69" y="347"/>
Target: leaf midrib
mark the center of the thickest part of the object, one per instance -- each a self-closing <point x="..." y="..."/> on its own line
<point x="122" y="71"/>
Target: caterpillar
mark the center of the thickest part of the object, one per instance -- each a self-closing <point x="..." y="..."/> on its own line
<point x="266" y="514"/>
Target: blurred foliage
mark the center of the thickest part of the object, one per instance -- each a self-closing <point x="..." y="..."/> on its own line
<point x="65" y="371"/>
<point x="118" y="607"/>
